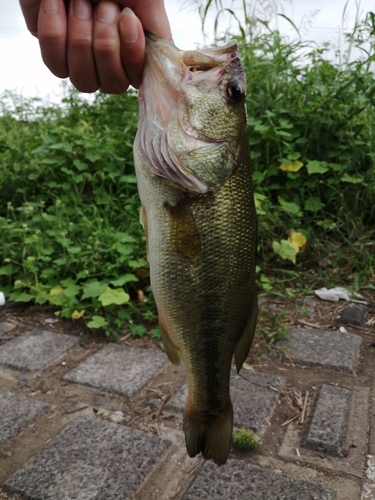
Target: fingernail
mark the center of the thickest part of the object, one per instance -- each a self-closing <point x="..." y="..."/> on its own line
<point x="129" y="34"/>
<point x="107" y="12"/>
<point x="82" y="9"/>
<point x="51" y="6"/>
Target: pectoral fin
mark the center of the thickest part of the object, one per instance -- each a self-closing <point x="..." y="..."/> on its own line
<point x="244" y="343"/>
<point x="183" y="230"/>
<point x="170" y="349"/>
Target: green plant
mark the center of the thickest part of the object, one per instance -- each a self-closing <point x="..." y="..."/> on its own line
<point x="272" y="329"/>
<point x="69" y="207"/>
<point x="245" y="440"/>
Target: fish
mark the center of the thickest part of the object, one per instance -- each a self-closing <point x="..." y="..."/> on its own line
<point x="192" y="162"/>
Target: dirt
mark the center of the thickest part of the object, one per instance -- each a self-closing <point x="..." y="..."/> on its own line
<point x="295" y="402"/>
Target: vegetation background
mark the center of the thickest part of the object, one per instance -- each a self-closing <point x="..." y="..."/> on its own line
<point x="69" y="207"/>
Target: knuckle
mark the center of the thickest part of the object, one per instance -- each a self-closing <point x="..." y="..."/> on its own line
<point x="79" y="42"/>
<point x="114" y="87"/>
<point x="104" y="46"/>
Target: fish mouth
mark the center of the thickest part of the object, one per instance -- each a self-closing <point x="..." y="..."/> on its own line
<point x="167" y="73"/>
<point x="192" y="60"/>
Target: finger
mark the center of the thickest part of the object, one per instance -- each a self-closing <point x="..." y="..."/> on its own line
<point x="30" y="11"/>
<point x="132" y="48"/>
<point x="106" y="43"/>
<point x="81" y="62"/>
<point x="52" y="32"/>
<point x="152" y="15"/>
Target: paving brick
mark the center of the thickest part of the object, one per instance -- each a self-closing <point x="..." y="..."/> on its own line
<point x="331" y="350"/>
<point x="118" y="369"/>
<point x="243" y="480"/>
<point x="90" y="459"/>
<point x="353" y="315"/>
<point x="17" y="413"/>
<point x="253" y="395"/>
<point x="329" y="422"/>
<point x="5" y="327"/>
<point x="36" y="349"/>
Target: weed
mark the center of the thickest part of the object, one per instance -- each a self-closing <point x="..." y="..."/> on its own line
<point x="245" y="440"/>
<point x="69" y="207"/>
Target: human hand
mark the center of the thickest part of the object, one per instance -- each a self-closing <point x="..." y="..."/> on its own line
<point x="97" y="44"/>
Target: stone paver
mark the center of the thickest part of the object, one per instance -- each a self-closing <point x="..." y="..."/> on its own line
<point x="36" y="349"/>
<point x="328" y="426"/>
<point x="118" y="369"/>
<point x="353" y="315"/>
<point x="245" y="481"/>
<point x="90" y="459"/>
<point x="16" y="413"/>
<point x="253" y="395"/>
<point x="331" y="350"/>
<point x="5" y="327"/>
<point x="368" y="491"/>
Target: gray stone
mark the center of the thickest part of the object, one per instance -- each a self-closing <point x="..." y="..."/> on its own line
<point x="89" y="459"/>
<point x="329" y="423"/>
<point x="118" y="369"/>
<point x="253" y="395"/>
<point x="17" y="413"/>
<point x="331" y="350"/>
<point x="5" y="327"/>
<point x="245" y="481"/>
<point x="36" y="349"/>
<point x="353" y="315"/>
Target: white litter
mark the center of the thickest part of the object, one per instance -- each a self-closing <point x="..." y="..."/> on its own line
<point x="2" y="299"/>
<point x="337" y="293"/>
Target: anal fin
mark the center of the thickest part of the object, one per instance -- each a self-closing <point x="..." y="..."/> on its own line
<point x="244" y="342"/>
<point x="170" y="349"/>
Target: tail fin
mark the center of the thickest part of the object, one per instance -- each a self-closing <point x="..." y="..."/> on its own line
<point x="212" y="439"/>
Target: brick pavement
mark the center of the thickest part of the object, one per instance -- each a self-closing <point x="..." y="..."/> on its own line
<point x="80" y="454"/>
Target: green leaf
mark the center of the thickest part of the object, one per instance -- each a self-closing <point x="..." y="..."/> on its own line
<point x="125" y="278"/>
<point x="97" y="322"/>
<point x="42" y="297"/>
<point x="352" y="180"/>
<point x="285" y="250"/>
<point x="93" y="157"/>
<point x="72" y="290"/>
<point x="291" y="208"/>
<point x="93" y="289"/>
<point x="21" y="297"/>
<point x="116" y="296"/>
<point x="136" y="264"/>
<point x="317" y="167"/>
<point x="6" y="270"/>
<point x="257" y="176"/>
<point x="67" y="282"/>
<point x="49" y="272"/>
<point x="80" y="165"/>
<point x="74" y="250"/>
<point x="123" y="249"/>
<point x="58" y="300"/>
<point x="313" y="204"/>
<point x="138" y="330"/>
<point x="155" y="333"/>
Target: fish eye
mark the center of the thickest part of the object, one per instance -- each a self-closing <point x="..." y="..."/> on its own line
<point x="235" y="92"/>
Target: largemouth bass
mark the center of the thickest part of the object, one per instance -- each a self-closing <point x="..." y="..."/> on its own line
<point x="193" y="171"/>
